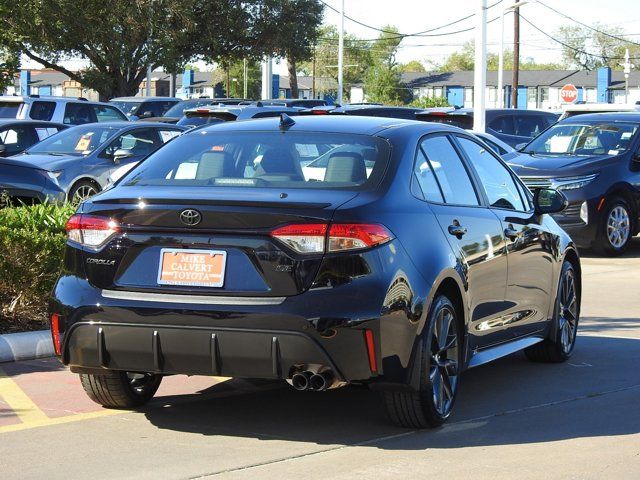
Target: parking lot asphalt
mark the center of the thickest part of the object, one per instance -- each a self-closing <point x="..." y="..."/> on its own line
<point x="514" y="419"/>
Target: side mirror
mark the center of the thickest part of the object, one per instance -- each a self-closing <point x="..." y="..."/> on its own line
<point x="520" y="146"/>
<point x="121" y="154"/>
<point x="548" y="200"/>
<point x="147" y="114"/>
<point x="635" y="158"/>
<point x="3" y="148"/>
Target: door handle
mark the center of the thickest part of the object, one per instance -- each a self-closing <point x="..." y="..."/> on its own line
<point x="457" y="230"/>
<point x="511" y="233"/>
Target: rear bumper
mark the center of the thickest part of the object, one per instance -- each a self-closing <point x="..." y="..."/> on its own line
<point x="256" y="339"/>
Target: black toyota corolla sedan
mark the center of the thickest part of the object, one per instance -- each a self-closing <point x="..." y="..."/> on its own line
<point x="417" y="254"/>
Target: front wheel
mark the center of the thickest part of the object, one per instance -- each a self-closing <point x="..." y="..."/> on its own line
<point x="566" y="315"/>
<point x="439" y="370"/>
<point x="616" y="228"/>
<point x="116" y="389"/>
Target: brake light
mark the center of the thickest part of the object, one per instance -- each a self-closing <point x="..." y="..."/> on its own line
<point x="90" y="230"/>
<point x="55" y="333"/>
<point x="319" y="237"/>
<point x="303" y="238"/>
<point x="351" y="236"/>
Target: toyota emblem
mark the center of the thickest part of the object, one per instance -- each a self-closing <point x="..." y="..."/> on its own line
<point x="190" y="217"/>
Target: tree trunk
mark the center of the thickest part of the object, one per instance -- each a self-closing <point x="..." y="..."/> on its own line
<point x="293" y="77"/>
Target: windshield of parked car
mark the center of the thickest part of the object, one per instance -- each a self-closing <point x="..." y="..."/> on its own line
<point x="129" y="108"/>
<point x="583" y="139"/>
<point x="80" y="140"/>
<point x="9" y="109"/>
<point x="264" y="159"/>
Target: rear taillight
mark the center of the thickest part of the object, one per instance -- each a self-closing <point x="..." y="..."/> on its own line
<point x="55" y="333"/>
<point x="89" y="230"/>
<point x="320" y="237"/>
<point x="351" y="236"/>
<point x="303" y="238"/>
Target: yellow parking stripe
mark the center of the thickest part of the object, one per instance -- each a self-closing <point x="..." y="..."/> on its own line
<point x="60" y="420"/>
<point x="19" y="402"/>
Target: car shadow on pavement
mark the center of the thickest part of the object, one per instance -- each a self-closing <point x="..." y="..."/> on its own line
<point x="632" y="252"/>
<point x="508" y="402"/>
<point x="612" y="326"/>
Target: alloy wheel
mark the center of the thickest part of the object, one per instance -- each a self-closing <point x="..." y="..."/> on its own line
<point x="443" y="371"/>
<point x="567" y="311"/>
<point x="83" y="192"/>
<point x="618" y="226"/>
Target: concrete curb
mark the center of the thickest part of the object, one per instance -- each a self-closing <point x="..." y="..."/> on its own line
<point x="25" y="346"/>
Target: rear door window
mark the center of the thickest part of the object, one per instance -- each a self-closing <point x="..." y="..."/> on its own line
<point x="42" y="110"/>
<point x="530" y="125"/>
<point x="453" y="178"/>
<point x="502" y="124"/>
<point x="266" y="159"/>
<point x="79" y="114"/>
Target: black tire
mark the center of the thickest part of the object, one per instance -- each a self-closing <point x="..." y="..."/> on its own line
<point x="565" y="321"/>
<point x="420" y="409"/>
<point x="116" y="389"/>
<point x="603" y="243"/>
<point x="81" y="190"/>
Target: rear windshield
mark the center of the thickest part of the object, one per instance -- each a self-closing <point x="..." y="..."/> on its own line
<point x="9" y="109"/>
<point x="462" y="121"/>
<point x="128" y="108"/>
<point x="199" y="121"/>
<point x="265" y="159"/>
<point x="178" y="109"/>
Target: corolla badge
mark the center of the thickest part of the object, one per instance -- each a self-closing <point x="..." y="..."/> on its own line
<point x="190" y="217"/>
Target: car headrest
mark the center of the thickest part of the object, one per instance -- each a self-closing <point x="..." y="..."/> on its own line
<point x="215" y="165"/>
<point x="346" y="167"/>
<point x="278" y="161"/>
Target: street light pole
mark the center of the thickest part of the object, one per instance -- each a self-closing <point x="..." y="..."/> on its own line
<point x="340" y="53"/>
<point x="480" y="67"/>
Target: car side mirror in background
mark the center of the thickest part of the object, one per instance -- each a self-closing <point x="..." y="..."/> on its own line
<point x="121" y="154"/>
<point x="635" y="158"/>
<point x="548" y="200"/>
<point x="146" y="115"/>
<point x="520" y="146"/>
<point x="3" y="148"/>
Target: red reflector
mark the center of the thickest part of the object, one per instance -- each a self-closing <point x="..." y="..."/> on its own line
<point x="600" y="203"/>
<point x="371" y="351"/>
<point x="55" y="333"/>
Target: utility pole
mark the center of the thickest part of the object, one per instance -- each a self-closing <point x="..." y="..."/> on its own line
<point x="480" y="68"/>
<point x="340" y="53"/>
<point x="313" y="73"/>
<point x="516" y="56"/>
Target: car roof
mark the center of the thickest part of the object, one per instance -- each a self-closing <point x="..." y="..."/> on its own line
<point x="145" y="99"/>
<point x="355" y="125"/>
<point x="14" y="121"/>
<point x="607" y="117"/>
<point x="515" y="111"/>
<point x="48" y="98"/>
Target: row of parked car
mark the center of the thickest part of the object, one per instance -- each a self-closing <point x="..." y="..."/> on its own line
<point x="592" y="158"/>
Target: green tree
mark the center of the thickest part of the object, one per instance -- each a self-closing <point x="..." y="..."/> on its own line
<point x="254" y="79"/>
<point x="412" y="66"/>
<point x="357" y="58"/>
<point x="120" y="38"/>
<point x="9" y="66"/>
<point x="382" y="81"/>
<point x="461" y="60"/>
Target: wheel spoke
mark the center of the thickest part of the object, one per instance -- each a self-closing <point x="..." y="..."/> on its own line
<point x="446" y="385"/>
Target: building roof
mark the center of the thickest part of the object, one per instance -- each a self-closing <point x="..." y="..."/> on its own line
<point x="527" y="78"/>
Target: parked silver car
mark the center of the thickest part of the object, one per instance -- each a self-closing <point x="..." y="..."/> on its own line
<point x="66" y="110"/>
<point x="81" y="159"/>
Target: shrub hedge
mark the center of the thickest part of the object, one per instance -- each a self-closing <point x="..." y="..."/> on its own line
<point x="32" y="240"/>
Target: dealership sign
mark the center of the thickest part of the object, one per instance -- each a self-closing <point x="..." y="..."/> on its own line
<point x="569" y="93"/>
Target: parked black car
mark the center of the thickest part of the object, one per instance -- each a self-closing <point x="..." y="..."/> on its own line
<point x="175" y="113"/>
<point x="18" y="135"/>
<point x="375" y="110"/>
<point x="216" y="256"/>
<point x="209" y="114"/>
<point x="139" y="108"/>
<point x="512" y="126"/>
<point x="594" y="160"/>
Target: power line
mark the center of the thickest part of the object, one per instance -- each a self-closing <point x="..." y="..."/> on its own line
<point x="418" y="34"/>
<point x="621" y="39"/>
<point x="570" y="47"/>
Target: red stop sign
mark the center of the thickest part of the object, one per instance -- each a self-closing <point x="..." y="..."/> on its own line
<point x="569" y="93"/>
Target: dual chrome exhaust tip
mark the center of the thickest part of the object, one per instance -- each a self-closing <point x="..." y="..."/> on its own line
<point x="308" y="380"/>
